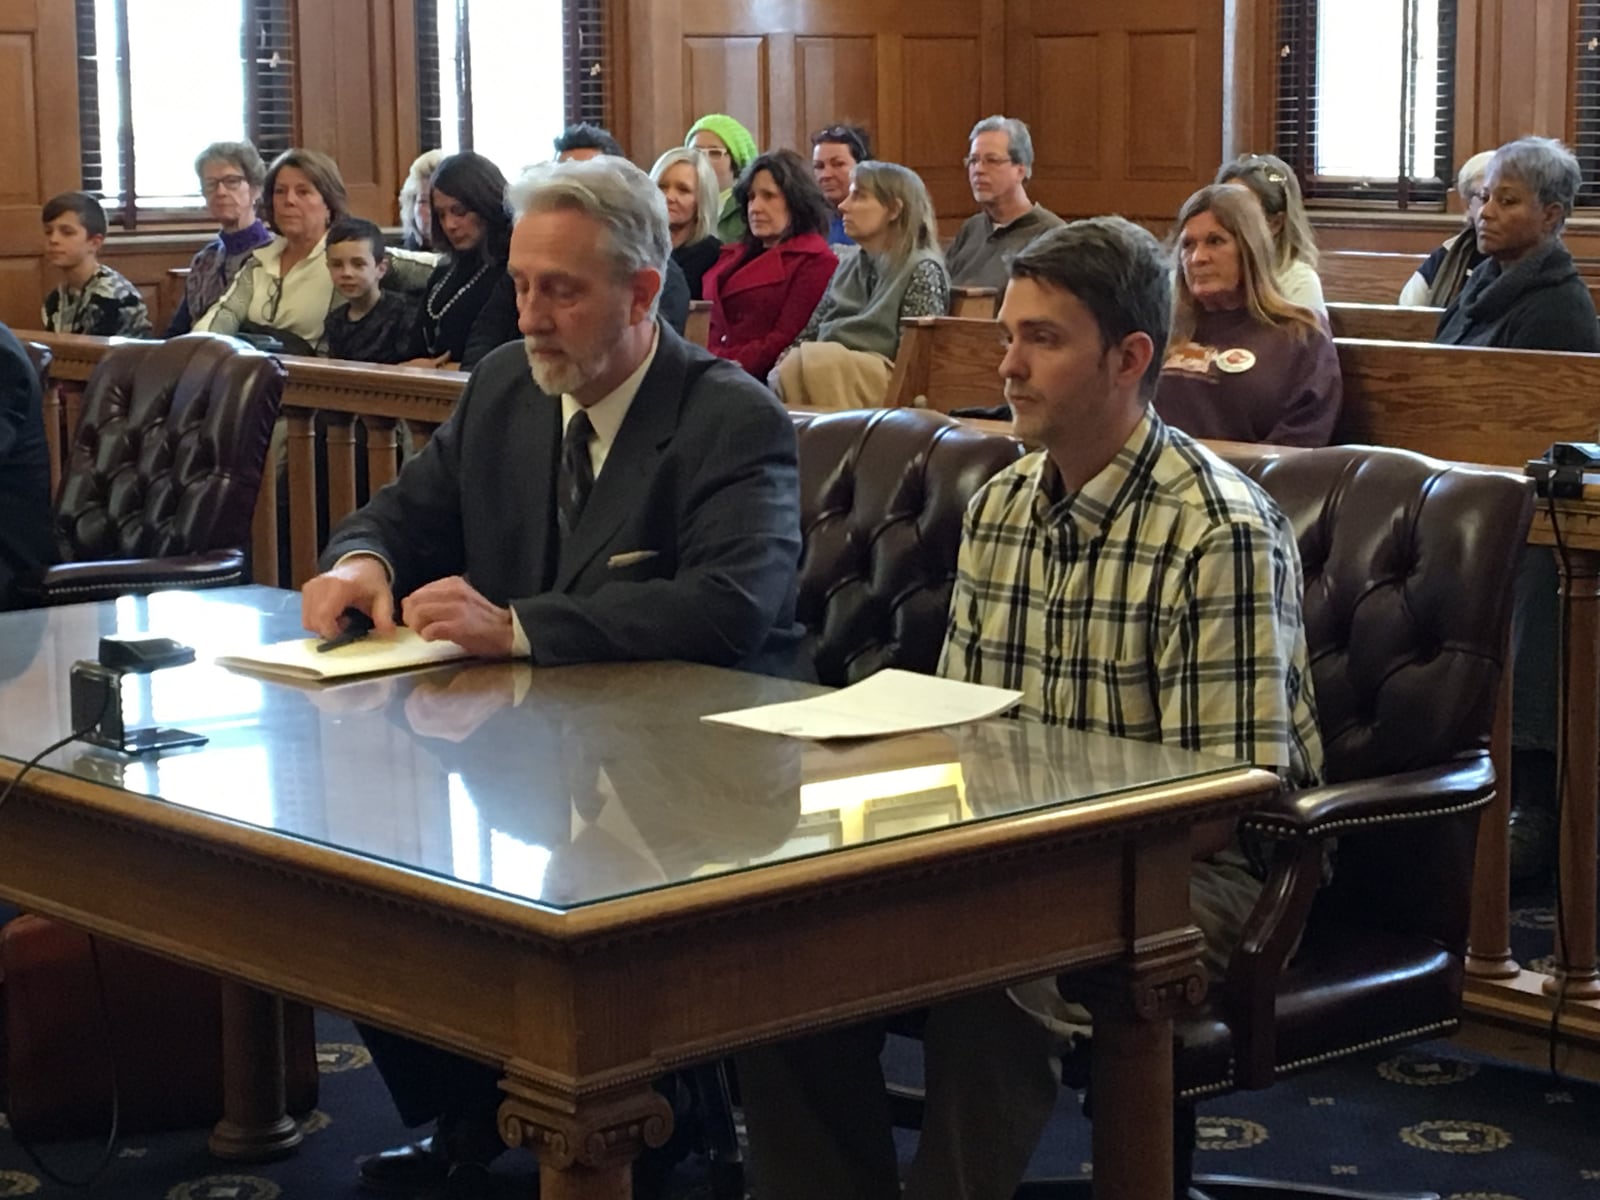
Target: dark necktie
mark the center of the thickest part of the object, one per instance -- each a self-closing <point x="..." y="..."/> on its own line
<point x="575" y="479"/>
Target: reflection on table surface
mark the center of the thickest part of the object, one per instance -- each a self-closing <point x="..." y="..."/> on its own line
<point x="563" y="785"/>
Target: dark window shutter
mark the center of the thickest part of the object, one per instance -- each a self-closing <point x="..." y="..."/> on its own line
<point x="1586" y="100"/>
<point x="90" y="129"/>
<point x="429" y="135"/>
<point x="269" y="75"/>
<point x="584" y="26"/>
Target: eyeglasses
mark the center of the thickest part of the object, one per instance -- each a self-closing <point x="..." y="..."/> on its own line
<point x="992" y="161"/>
<point x="275" y="299"/>
<point x="711" y="151"/>
<point x="221" y="181"/>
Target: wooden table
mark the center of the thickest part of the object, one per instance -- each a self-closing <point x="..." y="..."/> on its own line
<point x="566" y="873"/>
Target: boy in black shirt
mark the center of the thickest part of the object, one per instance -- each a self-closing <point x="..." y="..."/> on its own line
<point x="375" y="326"/>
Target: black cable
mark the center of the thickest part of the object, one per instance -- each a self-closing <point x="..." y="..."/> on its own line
<point x="107" y="1028"/>
<point x="1563" y="784"/>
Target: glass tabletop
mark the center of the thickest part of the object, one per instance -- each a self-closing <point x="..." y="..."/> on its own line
<point x="566" y="786"/>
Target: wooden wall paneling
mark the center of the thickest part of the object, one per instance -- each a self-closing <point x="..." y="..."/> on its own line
<point x="403" y="16"/>
<point x="836" y="80"/>
<point x="1067" y="134"/>
<point x="1249" y="77"/>
<point x="20" y="187"/>
<point x="942" y="98"/>
<point x="1162" y="68"/>
<point x="727" y="75"/>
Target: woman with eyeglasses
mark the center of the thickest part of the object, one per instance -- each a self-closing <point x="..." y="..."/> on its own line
<point x="730" y="149"/>
<point x="472" y="232"/>
<point x="231" y="176"/>
<point x="844" y="355"/>
<point x="765" y="286"/>
<point x="689" y="186"/>
<point x="1439" y="280"/>
<point x="1244" y="363"/>
<point x="284" y="291"/>
<point x="1294" y="262"/>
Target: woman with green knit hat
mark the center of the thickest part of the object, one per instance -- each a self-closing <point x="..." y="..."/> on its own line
<point x="731" y="149"/>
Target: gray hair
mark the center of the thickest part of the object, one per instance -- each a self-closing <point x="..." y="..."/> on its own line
<point x="1117" y="270"/>
<point x="238" y="154"/>
<point x="614" y="193"/>
<point x="707" y="204"/>
<point x="421" y="172"/>
<point x="1543" y="165"/>
<point x="1475" y="167"/>
<point x="1021" y="141"/>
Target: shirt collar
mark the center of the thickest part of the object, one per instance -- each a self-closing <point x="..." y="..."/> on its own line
<point x="1097" y="504"/>
<point x="607" y="413"/>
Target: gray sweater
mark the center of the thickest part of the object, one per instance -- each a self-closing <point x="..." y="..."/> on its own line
<point x="863" y="305"/>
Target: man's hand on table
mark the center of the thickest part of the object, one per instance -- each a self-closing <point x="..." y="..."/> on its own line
<point x="359" y="582"/>
<point x="451" y="609"/>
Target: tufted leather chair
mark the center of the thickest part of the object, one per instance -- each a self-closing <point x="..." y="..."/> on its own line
<point x="161" y="483"/>
<point x="882" y="495"/>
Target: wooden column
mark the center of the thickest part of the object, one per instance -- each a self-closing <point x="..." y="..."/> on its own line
<point x="341" y="466"/>
<point x="1489" y="939"/>
<point x="264" y="530"/>
<point x="586" y="1144"/>
<point x="1578" y="978"/>
<point x="302" y="496"/>
<point x="254" y="1125"/>
<point x="380" y="451"/>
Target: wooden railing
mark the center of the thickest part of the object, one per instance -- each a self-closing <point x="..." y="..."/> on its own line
<point x="1524" y="402"/>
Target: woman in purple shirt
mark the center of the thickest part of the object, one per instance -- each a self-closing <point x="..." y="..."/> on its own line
<point x="231" y="176"/>
<point x="1244" y="364"/>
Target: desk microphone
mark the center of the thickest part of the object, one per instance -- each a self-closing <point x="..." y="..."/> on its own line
<point x="97" y="693"/>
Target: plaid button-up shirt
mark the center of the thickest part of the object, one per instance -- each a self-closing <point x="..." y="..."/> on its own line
<point x="1160" y="602"/>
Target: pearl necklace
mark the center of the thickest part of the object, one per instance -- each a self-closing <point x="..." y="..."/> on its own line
<point x="436" y="317"/>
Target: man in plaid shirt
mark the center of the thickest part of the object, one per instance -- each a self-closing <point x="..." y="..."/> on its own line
<point x="1128" y="582"/>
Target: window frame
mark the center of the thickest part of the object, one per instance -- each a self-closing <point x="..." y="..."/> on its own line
<point x="267" y="40"/>
<point x="1294" y="31"/>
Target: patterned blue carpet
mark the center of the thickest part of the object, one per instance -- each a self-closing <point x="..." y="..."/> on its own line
<point x="1432" y="1117"/>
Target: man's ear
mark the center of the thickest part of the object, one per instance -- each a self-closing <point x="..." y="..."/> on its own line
<point x="647" y="284"/>
<point x="1133" y="357"/>
<point x="383" y="266"/>
<point x="95" y="241"/>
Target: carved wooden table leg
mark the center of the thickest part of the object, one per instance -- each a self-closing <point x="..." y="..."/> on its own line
<point x="586" y="1145"/>
<point x="1580" y="782"/>
<point x="254" y="1125"/>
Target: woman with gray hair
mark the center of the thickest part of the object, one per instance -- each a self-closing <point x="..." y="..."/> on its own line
<point x="844" y="355"/>
<point x="1439" y="280"/>
<point x="1529" y="295"/>
<point x="416" y="201"/>
<point x="689" y="186"/>
<point x="231" y="176"/>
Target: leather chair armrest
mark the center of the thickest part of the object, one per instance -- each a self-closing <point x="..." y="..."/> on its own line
<point x="1323" y="812"/>
<point x="76" y="583"/>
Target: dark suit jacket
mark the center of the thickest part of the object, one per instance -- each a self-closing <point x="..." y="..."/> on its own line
<point x="27" y="542"/>
<point x="701" y="480"/>
<point x="760" y="305"/>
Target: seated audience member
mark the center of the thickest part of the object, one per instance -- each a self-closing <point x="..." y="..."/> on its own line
<point x="1439" y="280"/>
<point x="91" y="298"/>
<point x="602" y="434"/>
<point x="471" y="229"/>
<point x="835" y="151"/>
<point x="416" y="208"/>
<point x="231" y="175"/>
<point x="1244" y="364"/>
<point x="731" y="149"/>
<point x="1528" y="295"/>
<point x="846" y="351"/>
<point x="497" y="323"/>
<point x="373" y="325"/>
<point x="689" y="185"/>
<point x="1274" y="185"/>
<point x="764" y="287"/>
<point x="999" y="164"/>
<point x="27" y="539"/>
<point x="283" y="290"/>
<point x="1119" y="542"/>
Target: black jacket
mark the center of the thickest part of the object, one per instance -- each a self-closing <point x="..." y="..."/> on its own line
<point x="26" y="540"/>
<point x="1541" y="303"/>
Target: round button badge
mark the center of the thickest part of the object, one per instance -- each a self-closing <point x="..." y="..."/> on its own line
<point x="1236" y="360"/>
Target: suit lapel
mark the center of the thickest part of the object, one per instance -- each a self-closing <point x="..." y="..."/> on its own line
<point x="544" y="448"/>
<point x="647" y="429"/>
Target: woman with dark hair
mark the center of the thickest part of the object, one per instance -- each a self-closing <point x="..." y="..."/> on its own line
<point x="284" y="289"/>
<point x="472" y="230"/>
<point x="764" y="287"/>
<point x="1294" y="247"/>
<point x="231" y="177"/>
<point x="1244" y="364"/>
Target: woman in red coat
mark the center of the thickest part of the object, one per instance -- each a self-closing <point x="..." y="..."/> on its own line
<point x="763" y="288"/>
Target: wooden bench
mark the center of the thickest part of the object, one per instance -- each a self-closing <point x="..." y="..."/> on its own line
<point x="1365" y="277"/>
<point x="1383" y="322"/>
<point x="979" y="303"/>
<point x="698" y="327"/>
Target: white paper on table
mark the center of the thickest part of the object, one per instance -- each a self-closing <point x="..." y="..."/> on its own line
<point x="889" y="702"/>
<point x="298" y="658"/>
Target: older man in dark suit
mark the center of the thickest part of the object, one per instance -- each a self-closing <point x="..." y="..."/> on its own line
<point x="26" y="542"/>
<point x="604" y="491"/>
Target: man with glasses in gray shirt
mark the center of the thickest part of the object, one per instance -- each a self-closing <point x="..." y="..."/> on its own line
<point x="999" y="164"/>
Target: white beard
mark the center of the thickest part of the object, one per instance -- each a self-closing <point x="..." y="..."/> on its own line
<point x="563" y="377"/>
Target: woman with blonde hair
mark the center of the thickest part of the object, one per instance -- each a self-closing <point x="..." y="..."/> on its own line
<point x="689" y="186"/>
<point x="1294" y="261"/>
<point x="416" y="201"/>
<point x="843" y="357"/>
<point x="1244" y="363"/>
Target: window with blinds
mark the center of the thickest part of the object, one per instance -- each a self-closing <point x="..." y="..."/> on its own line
<point x="143" y="65"/>
<point x="1586" y="99"/>
<point x="503" y="77"/>
<point x="1366" y="98"/>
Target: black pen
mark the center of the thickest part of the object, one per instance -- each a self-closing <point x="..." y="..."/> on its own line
<point x="356" y="626"/>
